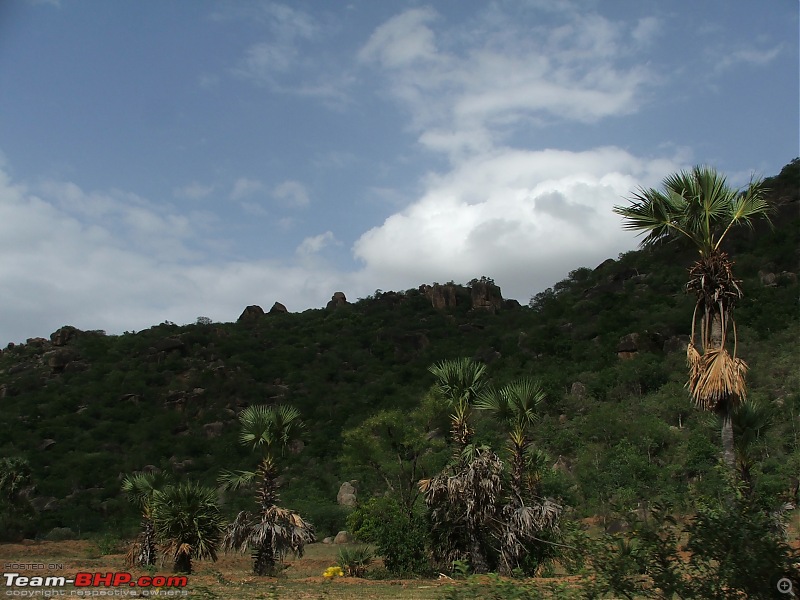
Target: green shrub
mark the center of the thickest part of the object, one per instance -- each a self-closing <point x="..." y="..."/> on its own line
<point x="354" y="561"/>
<point x="399" y="538"/>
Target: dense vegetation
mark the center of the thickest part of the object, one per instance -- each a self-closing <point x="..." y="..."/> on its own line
<point x="615" y="431"/>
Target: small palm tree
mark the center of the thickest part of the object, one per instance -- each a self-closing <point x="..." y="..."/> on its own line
<point x="459" y="382"/>
<point x="188" y="522"/>
<point x="516" y="406"/>
<point x="699" y="206"/>
<point x="139" y="489"/>
<point x="273" y="531"/>
<point x="463" y="498"/>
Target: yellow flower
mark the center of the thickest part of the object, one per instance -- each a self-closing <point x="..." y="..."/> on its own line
<point x="333" y="572"/>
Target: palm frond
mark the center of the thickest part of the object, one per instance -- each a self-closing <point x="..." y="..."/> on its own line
<point x="715" y="377"/>
<point x="234" y="480"/>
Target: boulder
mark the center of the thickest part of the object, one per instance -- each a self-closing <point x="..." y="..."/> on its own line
<point x="337" y="300"/>
<point x="342" y="538"/>
<point x="485" y="295"/>
<point x="251" y="314"/>
<point x="47" y="444"/>
<point x="578" y="390"/>
<point x="213" y="429"/>
<point x="441" y="296"/>
<point x="58" y="360"/>
<point x="628" y="346"/>
<point x="346" y="495"/>
<point x="278" y="309"/>
<point x="676" y="343"/>
<point x="327" y="540"/>
<point x="63" y="336"/>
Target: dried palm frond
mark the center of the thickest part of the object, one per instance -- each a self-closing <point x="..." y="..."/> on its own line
<point x="716" y="376"/>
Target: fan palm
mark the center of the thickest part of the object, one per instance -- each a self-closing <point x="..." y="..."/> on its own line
<point x="516" y="406"/>
<point x="272" y="531"/>
<point x="140" y="488"/>
<point x="699" y="206"/>
<point x="188" y="522"/>
<point x="459" y="382"/>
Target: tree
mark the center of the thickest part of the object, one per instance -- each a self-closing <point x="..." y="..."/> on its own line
<point x="15" y="509"/>
<point x="516" y="406"/>
<point x="463" y="498"/>
<point x="459" y="383"/>
<point x="399" y="448"/>
<point x="188" y="522"/>
<point x="699" y="206"/>
<point x="140" y="489"/>
<point x="273" y="531"/>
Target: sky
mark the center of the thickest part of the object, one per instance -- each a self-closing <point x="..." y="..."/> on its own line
<point x="162" y="161"/>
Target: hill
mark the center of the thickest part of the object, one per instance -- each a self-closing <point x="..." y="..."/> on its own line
<point x="607" y="342"/>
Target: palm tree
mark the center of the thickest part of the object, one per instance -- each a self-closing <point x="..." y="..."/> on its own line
<point x="188" y="522"/>
<point x="140" y="488"/>
<point x="699" y="206"/>
<point x="516" y="405"/>
<point x="463" y="498"/>
<point x="272" y="531"/>
<point x="459" y="382"/>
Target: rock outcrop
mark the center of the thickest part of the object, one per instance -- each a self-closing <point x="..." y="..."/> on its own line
<point x="251" y="314"/>
<point x="278" y="309"/>
<point x="347" y="494"/>
<point x="337" y="300"/>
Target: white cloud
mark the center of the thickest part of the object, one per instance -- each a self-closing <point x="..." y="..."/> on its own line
<point x="524" y="218"/>
<point x="749" y="56"/>
<point x="292" y="193"/>
<point x="402" y="41"/>
<point x="478" y="81"/>
<point x="646" y="30"/>
<point x="116" y="262"/>
<point x="244" y="188"/>
<point x="314" y="245"/>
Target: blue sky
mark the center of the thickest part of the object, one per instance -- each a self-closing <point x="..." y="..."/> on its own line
<point x="169" y="160"/>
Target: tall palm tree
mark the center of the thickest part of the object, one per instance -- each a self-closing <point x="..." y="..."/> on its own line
<point x="272" y="531"/>
<point x="699" y="206"/>
<point x="462" y="498"/>
<point x="140" y="488"/>
<point x="188" y="522"/>
<point x="459" y="382"/>
<point x="516" y="405"/>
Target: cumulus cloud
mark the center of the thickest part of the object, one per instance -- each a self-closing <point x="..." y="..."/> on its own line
<point x="114" y="261"/>
<point x="523" y="217"/>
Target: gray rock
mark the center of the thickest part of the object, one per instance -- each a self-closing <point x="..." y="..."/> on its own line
<point x="342" y="538"/>
<point x="347" y="495"/>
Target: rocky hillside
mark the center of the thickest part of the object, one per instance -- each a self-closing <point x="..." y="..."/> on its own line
<point x="607" y="342"/>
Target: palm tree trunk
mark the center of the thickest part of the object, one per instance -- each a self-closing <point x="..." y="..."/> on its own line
<point x="147" y="553"/>
<point x="477" y="559"/>
<point x="728" y="452"/>
<point x="183" y="563"/>
<point x="264" y="559"/>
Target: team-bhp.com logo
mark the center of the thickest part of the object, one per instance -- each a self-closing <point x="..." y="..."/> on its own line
<point x="97" y="580"/>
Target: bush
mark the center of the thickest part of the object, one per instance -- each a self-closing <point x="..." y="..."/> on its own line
<point x="736" y="550"/>
<point x="354" y="561"/>
<point x="399" y="538"/>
